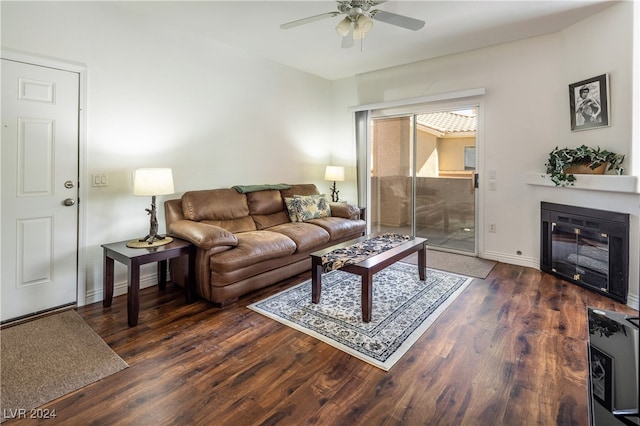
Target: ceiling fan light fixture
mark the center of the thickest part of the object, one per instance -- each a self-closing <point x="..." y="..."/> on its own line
<point x="363" y="24"/>
<point x="359" y="16"/>
<point x="344" y="26"/>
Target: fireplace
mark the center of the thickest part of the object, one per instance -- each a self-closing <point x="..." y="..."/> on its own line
<point x="587" y="247"/>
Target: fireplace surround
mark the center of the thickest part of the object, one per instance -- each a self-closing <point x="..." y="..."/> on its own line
<point x="586" y="246"/>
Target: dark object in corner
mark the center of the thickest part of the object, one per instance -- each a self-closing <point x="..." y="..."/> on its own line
<point x="588" y="247"/>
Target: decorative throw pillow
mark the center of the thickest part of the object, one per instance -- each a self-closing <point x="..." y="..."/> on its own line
<point x="311" y="207"/>
<point x="291" y="209"/>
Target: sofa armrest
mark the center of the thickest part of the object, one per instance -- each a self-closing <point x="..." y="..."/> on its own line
<point x="345" y="210"/>
<point x="202" y="235"/>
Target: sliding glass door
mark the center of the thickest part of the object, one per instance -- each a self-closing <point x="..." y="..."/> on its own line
<point x="391" y="171"/>
<point x="422" y="177"/>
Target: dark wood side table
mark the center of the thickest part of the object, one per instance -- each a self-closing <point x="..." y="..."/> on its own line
<point x="133" y="258"/>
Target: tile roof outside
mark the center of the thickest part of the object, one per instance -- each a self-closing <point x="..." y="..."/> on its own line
<point x="448" y="122"/>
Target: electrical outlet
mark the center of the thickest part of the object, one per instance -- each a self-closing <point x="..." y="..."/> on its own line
<point x="492" y="227"/>
<point x="492" y="185"/>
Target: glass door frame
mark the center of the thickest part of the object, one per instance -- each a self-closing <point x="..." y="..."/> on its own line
<point x="420" y="108"/>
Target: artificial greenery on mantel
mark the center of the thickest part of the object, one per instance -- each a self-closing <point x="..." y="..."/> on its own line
<point x="560" y="160"/>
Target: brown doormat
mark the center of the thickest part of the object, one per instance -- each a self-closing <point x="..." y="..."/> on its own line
<point x="456" y="263"/>
<point x="47" y="358"/>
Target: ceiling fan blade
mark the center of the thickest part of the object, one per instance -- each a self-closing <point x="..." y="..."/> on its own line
<point x="308" y="20"/>
<point x="397" y="20"/>
<point x="347" y="41"/>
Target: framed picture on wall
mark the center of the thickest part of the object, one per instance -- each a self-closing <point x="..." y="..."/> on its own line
<point x="589" y="103"/>
<point x="602" y="377"/>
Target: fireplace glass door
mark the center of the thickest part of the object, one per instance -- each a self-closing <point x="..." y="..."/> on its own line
<point x="582" y="254"/>
<point x="586" y="246"/>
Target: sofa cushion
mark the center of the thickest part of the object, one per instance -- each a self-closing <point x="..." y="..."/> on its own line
<point x="300" y="189"/>
<point x="264" y="202"/>
<point x="270" y="220"/>
<point x="225" y="208"/>
<point x="306" y="236"/>
<point x="338" y="227"/>
<point x="253" y="247"/>
<point x="311" y="207"/>
<point x="297" y="189"/>
<point x="292" y="211"/>
<point x="267" y="209"/>
<point x="304" y="207"/>
<point x="243" y="224"/>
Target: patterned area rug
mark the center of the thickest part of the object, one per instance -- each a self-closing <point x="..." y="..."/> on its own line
<point x="403" y="308"/>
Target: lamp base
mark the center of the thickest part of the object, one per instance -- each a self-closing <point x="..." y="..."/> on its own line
<point x="334" y="193"/>
<point x="140" y="243"/>
<point x="152" y="239"/>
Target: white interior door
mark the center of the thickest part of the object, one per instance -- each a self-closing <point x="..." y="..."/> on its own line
<point x="39" y="214"/>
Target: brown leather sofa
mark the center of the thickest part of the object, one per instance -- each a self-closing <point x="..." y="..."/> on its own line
<point x="247" y="241"/>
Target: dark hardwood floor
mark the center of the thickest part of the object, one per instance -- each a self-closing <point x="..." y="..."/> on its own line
<point x="511" y="350"/>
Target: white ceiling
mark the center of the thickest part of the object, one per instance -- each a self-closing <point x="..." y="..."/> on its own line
<point x="451" y="27"/>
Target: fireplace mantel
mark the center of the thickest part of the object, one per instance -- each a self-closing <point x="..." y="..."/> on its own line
<point x="610" y="183"/>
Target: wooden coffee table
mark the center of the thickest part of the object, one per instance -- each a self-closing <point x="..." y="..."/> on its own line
<point x="368" y="267"/>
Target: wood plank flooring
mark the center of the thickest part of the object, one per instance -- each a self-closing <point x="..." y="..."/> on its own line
<point x="511" y="350"/>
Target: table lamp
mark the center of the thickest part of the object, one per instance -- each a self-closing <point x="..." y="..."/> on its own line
<point x="334" y="173"/>
<point x="153" y="182"/>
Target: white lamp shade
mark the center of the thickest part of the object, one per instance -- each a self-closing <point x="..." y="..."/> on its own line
<point x="335" y="173"/>
<point x="153" y="182"/>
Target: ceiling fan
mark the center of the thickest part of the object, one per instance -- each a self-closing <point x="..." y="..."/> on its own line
<point x="359" y="19"/>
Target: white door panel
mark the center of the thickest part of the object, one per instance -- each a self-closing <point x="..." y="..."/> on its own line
<point x="35" y="157"/>
<point x="39" y="172"/>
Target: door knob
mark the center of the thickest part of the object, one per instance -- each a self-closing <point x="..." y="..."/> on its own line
<point x="69" y="202"/>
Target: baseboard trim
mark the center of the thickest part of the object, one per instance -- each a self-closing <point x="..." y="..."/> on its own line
<point x="120" y="288"/>
<point x="633" y="302"/>
<point x="513" y="260"/>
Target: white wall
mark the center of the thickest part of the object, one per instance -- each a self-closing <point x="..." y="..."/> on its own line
<point x="343" y="149"/>
<point x="164" y="98"/>
<point x="526" y="114"/>
<point x="219" y="117"/>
